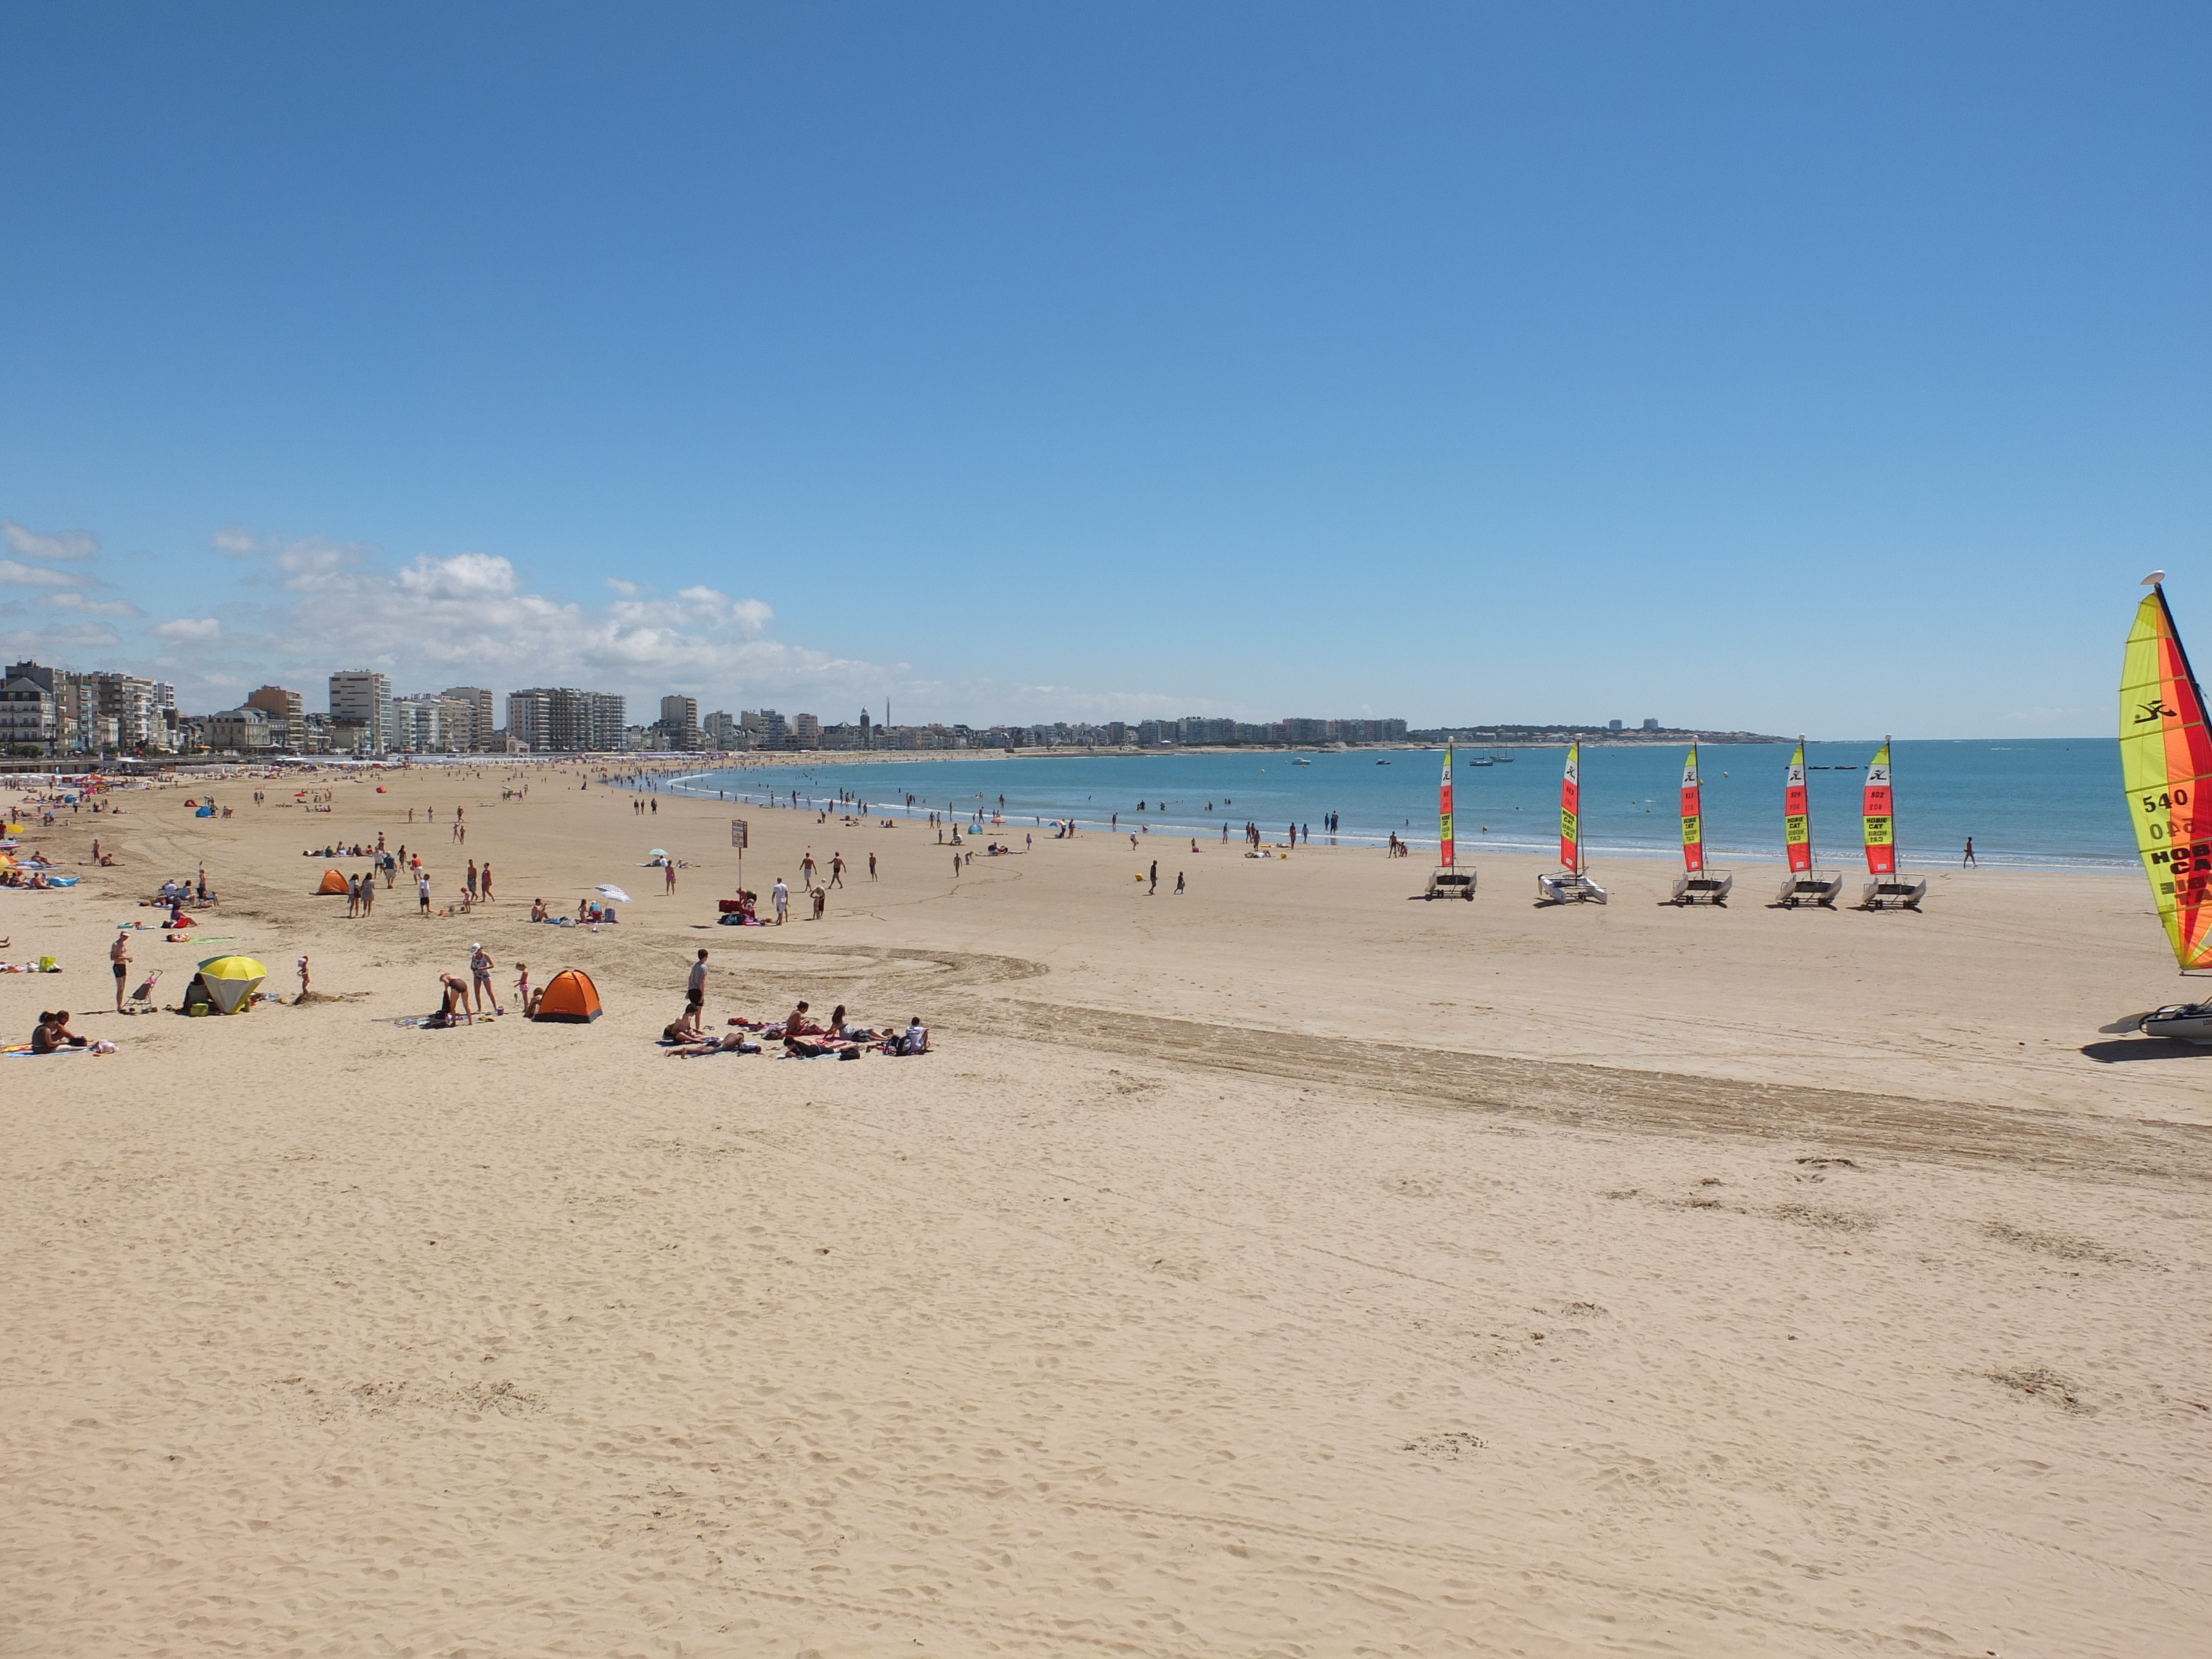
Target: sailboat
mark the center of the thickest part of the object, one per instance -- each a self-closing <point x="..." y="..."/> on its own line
<point x="1878" y="813"/>
<point x="1803" y="885"/>
<point x="1571" y="880"/>
<point x="1448" y="880"/>
<point x="1696" y="886"/>
<point x="2165" y="765"/>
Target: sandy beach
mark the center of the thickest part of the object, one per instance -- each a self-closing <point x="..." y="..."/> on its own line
<point x="1286" y="1267"/>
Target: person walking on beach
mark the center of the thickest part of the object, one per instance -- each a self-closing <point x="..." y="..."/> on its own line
<point x="422" y="893"/>
<point x="783" y="896"/>
<point x="1155" y="887"/>
<point x="1969" y="862"/>
<point x="668" y="876"/>
<point x="119" y="954"/>
<point x="694" y="994"/>
<point x="871" y="867"/>
<point x="352" y="895"/>
<point x="1178" y="884"/>
<point x="836" y="869"/>
<point x="807" y="867"/>
<point x="470" y="880"/>
<point x="368" y="891"/>
<point x="484" y="876"/>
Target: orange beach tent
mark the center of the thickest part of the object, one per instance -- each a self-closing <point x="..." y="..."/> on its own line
<point x="334" y="881"/>
<point x="570" y="998"/>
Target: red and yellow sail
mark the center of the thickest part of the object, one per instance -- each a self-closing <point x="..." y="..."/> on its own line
<point x="1797" y="815"/>
<point x="1571" y="812"/>
<point x="1444" y="813"/>
<point x="1693" y="816"/>
<point x="1880" y="812"/>
<point x="2165" y="762"/>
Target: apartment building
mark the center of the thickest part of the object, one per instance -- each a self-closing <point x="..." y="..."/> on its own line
<point x="363" y="701"/>
<point x="483" y="715"/>
<point x="563" y="720"/>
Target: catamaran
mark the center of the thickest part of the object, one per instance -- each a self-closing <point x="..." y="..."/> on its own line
<point x="1878" y="813"/>
<point x="2166" y="764"/>
<point x="1695" y="885"/>
<point x="1803" y="885"/>
<point x="1571" y="880"/>
<point x="1448" y="880"/>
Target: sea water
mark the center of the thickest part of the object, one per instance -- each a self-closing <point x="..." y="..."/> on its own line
<point x="2028" y="802"/>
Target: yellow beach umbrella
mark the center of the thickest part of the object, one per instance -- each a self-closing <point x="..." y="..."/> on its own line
<point x="232" y="981"/>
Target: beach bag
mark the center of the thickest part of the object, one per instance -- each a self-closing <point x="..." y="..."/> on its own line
<point x="48" y="965"/>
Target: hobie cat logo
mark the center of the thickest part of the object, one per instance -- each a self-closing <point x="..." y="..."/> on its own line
<point x="2156" y="710"/>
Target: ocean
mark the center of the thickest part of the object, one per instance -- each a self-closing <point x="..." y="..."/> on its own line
<point x="2028" y="803"/>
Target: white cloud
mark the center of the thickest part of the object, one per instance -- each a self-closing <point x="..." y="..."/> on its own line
<point x="469" y="576"/>
<point x="49" y="644"/>
<point x="236" y="544"/>
<point x="60" y="546"/>
<point x="33" y="575"/>
<point x="85" y="605"/>
<point x="469" y="618"/>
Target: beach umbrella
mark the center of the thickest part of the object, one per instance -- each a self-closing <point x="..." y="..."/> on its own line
<point x="656" y="851"/>
<point x="231" y="981"/>
<point x="607" y="889"/>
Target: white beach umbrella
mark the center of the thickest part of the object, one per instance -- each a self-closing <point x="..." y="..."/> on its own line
<point x="607" y="889"/>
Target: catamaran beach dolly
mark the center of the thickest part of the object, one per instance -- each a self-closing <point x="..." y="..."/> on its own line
<point x="1696" y="884"/>
<point x="1448" y="880"/>
<point x="1803" y="885"/>
<point x="1571" y="882"/>
<point x="1887" y="891"/>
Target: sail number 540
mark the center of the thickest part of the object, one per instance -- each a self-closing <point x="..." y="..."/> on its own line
<point x="2174" y="797"/>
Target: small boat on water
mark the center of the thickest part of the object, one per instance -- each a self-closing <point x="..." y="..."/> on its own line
<point x="1382" y="763"/>
<point x="1300" y="760"/>
<point x="1482" y="760"/>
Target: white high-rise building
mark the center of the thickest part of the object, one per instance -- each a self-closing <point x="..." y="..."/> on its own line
<point x="363" y="697"/>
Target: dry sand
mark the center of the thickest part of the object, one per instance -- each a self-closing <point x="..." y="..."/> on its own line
<point x="1286" y="1268"/>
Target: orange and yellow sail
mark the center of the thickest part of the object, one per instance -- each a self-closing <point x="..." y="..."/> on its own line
<point x="1797" y="814"/>
<point x="1693" y="816"/>
<point x="1879" y="811"/>
<point x="1571" y="812"/>
<point x="2166" y="763"/>
<point x="1445" y="848"/>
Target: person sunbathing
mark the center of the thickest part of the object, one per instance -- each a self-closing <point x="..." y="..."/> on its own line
<point x="735" y="1043"/>
<point x="796" y="1024"/>
<point x="816" y="1048"/>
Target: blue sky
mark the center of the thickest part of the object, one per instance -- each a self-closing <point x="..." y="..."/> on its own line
<point x="1768" y="366"/>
